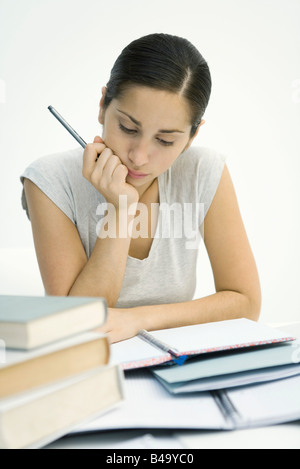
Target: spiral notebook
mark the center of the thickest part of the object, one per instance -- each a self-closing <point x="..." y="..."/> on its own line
<point x="149" y="406"/>
<point x="178" y="344"/>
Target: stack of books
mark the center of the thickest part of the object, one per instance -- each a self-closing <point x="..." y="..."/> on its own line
<point x="55" y="371"/>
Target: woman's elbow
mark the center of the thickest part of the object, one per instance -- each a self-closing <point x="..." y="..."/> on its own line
<point x="253" y="306"/>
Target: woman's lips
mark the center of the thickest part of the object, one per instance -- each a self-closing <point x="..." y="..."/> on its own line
<point x="136" y="174"/>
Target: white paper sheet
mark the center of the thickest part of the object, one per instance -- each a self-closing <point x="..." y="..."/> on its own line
<point x="268" y="403"/>
<point x="148" y="405"/>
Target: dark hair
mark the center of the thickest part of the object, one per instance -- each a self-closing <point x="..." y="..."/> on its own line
<point x="167" y="63"/>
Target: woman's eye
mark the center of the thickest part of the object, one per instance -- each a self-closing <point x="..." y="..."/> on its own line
<point x="134" y="131"/>
<point x="125" y="129"/>
<point x="164" y="142"/>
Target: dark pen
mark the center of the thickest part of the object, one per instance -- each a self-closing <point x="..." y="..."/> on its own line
<point x="176" y="357"/>
<point x="67" y="126"/>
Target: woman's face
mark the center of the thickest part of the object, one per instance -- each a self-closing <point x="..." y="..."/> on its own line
<point x="147" y="129"/>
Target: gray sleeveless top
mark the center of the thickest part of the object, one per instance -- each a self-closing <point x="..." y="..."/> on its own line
<point x="186" y="190"/>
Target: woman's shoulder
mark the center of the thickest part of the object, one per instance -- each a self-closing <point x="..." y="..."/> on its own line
<point x="60" y="171"/>
<point x="57" y="164"/>
<point x="195" y="175"/>
<point x="197" y="165"/>
<point x="59" y="176"/>
<point x="199" y="157"/>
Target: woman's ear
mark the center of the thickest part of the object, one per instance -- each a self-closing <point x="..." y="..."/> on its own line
<point x="194" y="136"/>
<point x="101" y="109"/>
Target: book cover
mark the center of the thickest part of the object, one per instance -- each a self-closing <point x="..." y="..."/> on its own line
<point x="24" y="309"/>
<point x="167" y="345"/>
<point x="24" y="370"/>
<point x="27" y="322"/>
<point x="35" y="418"/>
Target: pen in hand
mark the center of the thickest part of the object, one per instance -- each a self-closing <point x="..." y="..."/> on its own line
<point x="67" y="126"/>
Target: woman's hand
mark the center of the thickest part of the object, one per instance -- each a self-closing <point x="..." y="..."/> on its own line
<point x="105" y="171"/>
<point x="121" y="324"/>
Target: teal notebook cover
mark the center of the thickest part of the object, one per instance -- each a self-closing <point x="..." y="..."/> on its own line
<point x="233" y="380"/>
<point x="228" y="363"/>
<point x="24" y="309"/>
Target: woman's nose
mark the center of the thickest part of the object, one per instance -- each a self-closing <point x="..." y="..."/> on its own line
<point x="139" y="154"/>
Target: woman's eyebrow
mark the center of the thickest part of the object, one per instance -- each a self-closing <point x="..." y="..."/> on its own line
<point x="130" y="117"/>
<point x="162" y="131"/>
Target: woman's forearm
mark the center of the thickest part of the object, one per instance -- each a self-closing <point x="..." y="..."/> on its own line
<point x="104" y="271"/>
<point x="217" y="307"/>
<point x="125" y="323"/>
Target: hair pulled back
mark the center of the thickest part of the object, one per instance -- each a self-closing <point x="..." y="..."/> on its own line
<point x="164" y="62"/>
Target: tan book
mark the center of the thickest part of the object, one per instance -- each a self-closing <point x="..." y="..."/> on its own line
<point x="40" y="416"/>
<point x="23" y="371"/>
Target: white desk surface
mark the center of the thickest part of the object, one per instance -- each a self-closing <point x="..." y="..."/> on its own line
<point x="285" y="436"/>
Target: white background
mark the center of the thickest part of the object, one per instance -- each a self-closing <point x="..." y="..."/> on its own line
<point x="60" y="52"/>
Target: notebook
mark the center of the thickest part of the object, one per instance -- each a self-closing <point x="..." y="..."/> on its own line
<point x="177" y="344"/>
<point x="234" y="368"/>
<point x="243" y="378"/>
<point x="148" y="405"/>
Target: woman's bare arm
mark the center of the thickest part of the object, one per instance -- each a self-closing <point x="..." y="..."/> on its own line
<point x="64" y="267"/>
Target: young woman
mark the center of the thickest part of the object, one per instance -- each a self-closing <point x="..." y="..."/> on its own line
<point x="97" y="218"/>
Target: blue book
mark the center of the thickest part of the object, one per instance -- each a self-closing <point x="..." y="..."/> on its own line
<point x="27" y="322"/>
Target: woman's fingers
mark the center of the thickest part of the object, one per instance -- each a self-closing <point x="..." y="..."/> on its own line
<point x="100" y="160"/>
<point x="98" y="139"/>
<point x="120" y="173"/>
<point x="103" y="160"/>
<point x="106" y="172"/>
<point x="110" y="165"/>
<point x="90" y="155"/>
<point x="100" y="165"/>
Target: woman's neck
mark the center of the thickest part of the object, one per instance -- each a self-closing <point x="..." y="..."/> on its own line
<point x="150" y="193"/>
